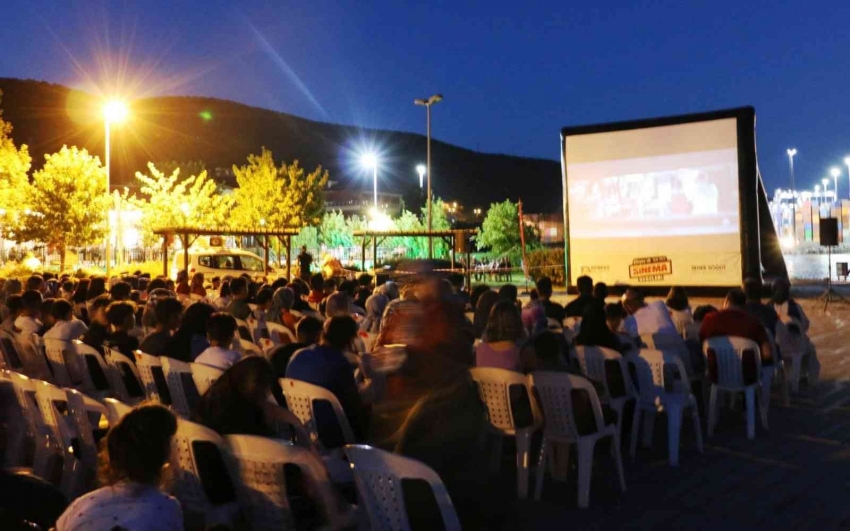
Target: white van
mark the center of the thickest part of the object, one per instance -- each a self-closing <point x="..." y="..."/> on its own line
<point x="220" y="262"/>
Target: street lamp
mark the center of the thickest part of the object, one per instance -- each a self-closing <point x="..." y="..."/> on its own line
<point x="835" y="172"/>
<point x="847" y="163"/>
<point x="436" y="98"/>
<point x="791" y="152"/>
<point x="114" y="112"/>
<point x="825" y="183"/>
<point x="370" y="161"/>
<point x="420" y="169"/>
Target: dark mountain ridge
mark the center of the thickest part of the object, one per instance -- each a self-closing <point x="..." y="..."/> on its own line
<point x="222" y="133"/>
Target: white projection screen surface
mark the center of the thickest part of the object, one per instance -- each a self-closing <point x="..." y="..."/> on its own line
<point x="655" y="206"/>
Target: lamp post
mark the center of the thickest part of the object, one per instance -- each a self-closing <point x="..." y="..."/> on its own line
<point x="847" y="163"/>
<point x="114" y="111"/>
<point x="835" y="172"/>
<point x="370" y="161"/>
<point x="791" y="152"/>
<point x="436" y="98"/>
<point x="420" y="169"/>
<point x="825" y="183"/>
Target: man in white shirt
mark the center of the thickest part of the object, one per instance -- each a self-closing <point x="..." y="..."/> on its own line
<point x="646" y="319"/>
<point x="14" y="305"/>
<point x="221" y="328"/>
<point x="66" y="326"/>
<point x="28" y="322"/>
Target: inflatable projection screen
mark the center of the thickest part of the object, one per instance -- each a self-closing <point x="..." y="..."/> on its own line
<point x="667" y="201"/>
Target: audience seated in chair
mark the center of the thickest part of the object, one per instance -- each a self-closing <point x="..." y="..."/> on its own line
<point x="168" y="313"/>
<point x="504" y="343"/>
<point x="190" y="339"/>
<point x="221" y="329"/>
<point x="136" y="452"/>
<point x="122" y="319"/>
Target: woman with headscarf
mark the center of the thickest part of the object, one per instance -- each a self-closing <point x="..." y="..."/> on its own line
<point x="279" y="311"/>
<point x="375" y="306"/>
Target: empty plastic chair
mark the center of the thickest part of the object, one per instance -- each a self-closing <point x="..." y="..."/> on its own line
<point x="301" y="399"/>
<point x="380" y="478"/>
<point x="497" y="388"/>
<point x="115" y="409"/>
<point x="608" y="368"/>
<point x="123" y="377"/>
<point x="656" y="394"/>
<point x="563" y="426"/>
<point x="734" y="366"/>
<point x="275" y="473"/>
<point x="95" y="371"/>
<point x="795" y="355"/>
<point x="203" y="482"/>
<point x="58" y="352"/>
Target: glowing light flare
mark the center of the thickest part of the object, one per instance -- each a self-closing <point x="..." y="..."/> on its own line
<point x="369" y="161"/>
<point x="206" y="115"/>
<point x="380" y="221"/>
<point x="115" y="111"/>
<point x="33" y="263"/>
<point x="835" y="172"/>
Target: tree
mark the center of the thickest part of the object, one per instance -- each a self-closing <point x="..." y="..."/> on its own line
<point x="279" y="196"/>
<point x="439" y="221"/>
<point x="14" y="165"/>
<point x="500" y="232"/>
<point x="334" y="231"/>
<point x="416" y="247"/>
<point x="173" y="202"/>
<point x="189" y="167"/>
<point x="67" y="201"/>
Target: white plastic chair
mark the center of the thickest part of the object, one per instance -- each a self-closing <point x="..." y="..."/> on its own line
<point x="378" y="475"/>
<point x="63" y="362"/>
<point x="31" y="443"/>
<point x="258" y="328"/>
<point x="95" y="371"/>
<point x="204" y="376"/>
<point x="794" y="352"/>
<point x="115" y="409"/>
<point x="728" y="354"/>
<point x="260" y="463"/>
<point x="243" y="330"/>
<point x="553" y="389"/>
<point x="203" y="481"/>
<point x="75" y="476"/>
<point x="277" y="333"/>
<point x="88" y="415"/>
<point x="10" y="349"/>
<point x="35" y="358"/>
<point x="595" y="364"/>
<point x="494" y="387"/>
<point x="675" y="345"/>
<point x="657" y="395"/>
<point x="300" y="398"/>
<point x="123" y="377"/>
<point x="248" y="348"/>
<point x="153" y="377"/>
<point x="181" y="385"/>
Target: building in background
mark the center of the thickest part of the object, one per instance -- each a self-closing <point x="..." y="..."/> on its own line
<point x="549" y="226"/>
<point x="351" y="202"/>
<point x="796" y="215"/>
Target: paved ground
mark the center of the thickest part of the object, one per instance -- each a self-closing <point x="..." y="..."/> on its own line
<point x="796" y="476"/>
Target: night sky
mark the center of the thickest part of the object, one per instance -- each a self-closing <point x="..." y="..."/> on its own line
<point x="512" y="73"/>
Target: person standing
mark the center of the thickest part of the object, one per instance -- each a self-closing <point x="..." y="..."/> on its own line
<point x="305" y="260"/>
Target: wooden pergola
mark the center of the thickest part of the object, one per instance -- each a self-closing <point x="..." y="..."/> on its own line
<point x="188" y="235"/>
<point x="448" y="236"/>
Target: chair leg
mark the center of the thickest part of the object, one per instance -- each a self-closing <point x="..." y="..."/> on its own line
<point x="585" y="467"/>
<point x="635" y="429"/>
<point x="750" y="396"/>
<point x="764" y="404"/>
<point x="541" y="469"/>
<point x="618" y="460"/>
<point x="648" y="426"/>
<point x="523" y="443"/>
<point x="697" y="427"/>
<point x="496" y="456"/>
<point x="712" y="410"/>
<point x="796" y="363"/>
<point x="674" y="428"/>
<point x="560" y="460"/>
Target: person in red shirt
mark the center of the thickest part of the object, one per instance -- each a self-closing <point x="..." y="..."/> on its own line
<point x="317" y="286"/>
<point x="734" y="320"/>
<point x="198" y="285"/>
<point x="183" y="287"/>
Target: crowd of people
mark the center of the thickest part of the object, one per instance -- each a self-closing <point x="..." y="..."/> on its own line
<point x="419" y="401"/>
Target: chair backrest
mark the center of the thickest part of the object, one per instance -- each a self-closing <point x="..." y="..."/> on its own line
<point x="181" y="386"/>
<point x="656" y="373"/>
<point x="726" y="359"/>
<point x="494" y="386"/>
<point x="595" y="362"/>
<point x="249" y="348"/>
<point x="301" y="398"/>
<point x="554" y="392"/>
<point x="203" y="481"/>
<point x="95" y="372"/>
<point x="35" y="358"/>
<point x="153" y="377"/>
<point x="278" y="333"/>
<point x="258" y="329"/>
<point x="123" y="376"/>
<point x="204" y="376"/>
<point x="53" y="402"/>
<point x="692" y="331"/>
<point x="243" y="330"/>
<point x="264" y="465"/>
<point x="115" y="409"/>
<point x="11" y="351"/>
<point x="45" y="454"/>
<point x="87" y="414"/>
<point x="57" y="352"/>
<point x="379" y="478"/>
<point x="672" y="344"/>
